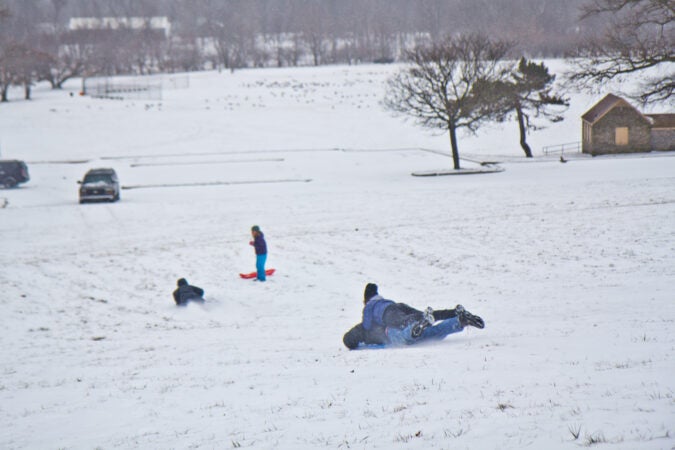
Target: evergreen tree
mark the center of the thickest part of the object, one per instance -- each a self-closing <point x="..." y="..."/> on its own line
<point x="528" y="93"/>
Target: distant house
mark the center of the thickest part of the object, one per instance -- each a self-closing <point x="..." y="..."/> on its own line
<point x="160" y="23"/>
<point x="614" y="126"/>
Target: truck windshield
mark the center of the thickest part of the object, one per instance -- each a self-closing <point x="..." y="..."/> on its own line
<point x="97" y="178"/>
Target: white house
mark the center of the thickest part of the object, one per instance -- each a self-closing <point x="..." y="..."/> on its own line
<point x="114" y="23"/>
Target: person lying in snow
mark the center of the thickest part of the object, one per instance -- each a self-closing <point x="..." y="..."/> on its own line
<point x="386" y="322"/>
<point x="186" y="293"/>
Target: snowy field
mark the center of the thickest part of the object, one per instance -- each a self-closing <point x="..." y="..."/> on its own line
<point x="572" y="266"/>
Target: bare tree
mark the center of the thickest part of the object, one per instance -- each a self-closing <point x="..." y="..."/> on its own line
<point x="437" y="88"/>
<point x="6" y="75"/>
<point x="27" y="66"/>
<point x="5" y="53"/>
<point x="313" y="25"/>
<point x="4" y="11"/>
<point x="184" y="56"/>
<point x="640" y="36"/>
<point x="58" y="6"/>
<point x="17" y="62"/>
<point x="233" y="29"/>
<point x="63" y="59"/>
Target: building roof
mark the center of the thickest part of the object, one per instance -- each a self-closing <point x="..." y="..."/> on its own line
<point x="609" y="102"/>
<point x="662" y="120"/>
<point x="601" y="108"/>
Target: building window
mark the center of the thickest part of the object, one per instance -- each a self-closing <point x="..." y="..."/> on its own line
<point x="621" y="136"/>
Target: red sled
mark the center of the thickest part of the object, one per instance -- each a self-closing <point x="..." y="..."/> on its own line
<point x="248" y="276"/>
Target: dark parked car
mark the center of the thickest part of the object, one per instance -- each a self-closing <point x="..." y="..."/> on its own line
<point x="13" y="172"/>
<point x="99" y="184"/>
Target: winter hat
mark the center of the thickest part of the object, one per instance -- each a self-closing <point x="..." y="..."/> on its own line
<point x="182" y="282"/>
<point x="255" y="228"/>
<point x="370" y="292"/>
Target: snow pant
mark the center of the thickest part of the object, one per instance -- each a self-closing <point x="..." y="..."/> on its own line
<point x="400" y="315"/>
<point x="444" y="314"/>
<point x="260" y="266"/>
<point x="403" y="336"/>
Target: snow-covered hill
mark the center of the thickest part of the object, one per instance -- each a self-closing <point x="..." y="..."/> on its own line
<point x="572" y="266"/>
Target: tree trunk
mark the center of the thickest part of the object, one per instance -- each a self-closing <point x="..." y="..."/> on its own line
<point x="453" y="144"/>
<point x="26" y="88"/>
<point x="523" y="132"/>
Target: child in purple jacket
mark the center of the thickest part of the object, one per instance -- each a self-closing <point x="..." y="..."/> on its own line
<point x="260" y="246"/>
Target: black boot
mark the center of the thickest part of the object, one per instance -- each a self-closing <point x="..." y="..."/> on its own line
<point x="466" y="318"/>
<point x="426" y="321"/>
<point x="418" y="328"/>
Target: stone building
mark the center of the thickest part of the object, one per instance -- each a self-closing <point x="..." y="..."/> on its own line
<point x="614" y="126"/>
<point x="663" y="131"/>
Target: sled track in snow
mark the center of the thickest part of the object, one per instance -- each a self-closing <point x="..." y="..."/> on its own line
<point x="214" y="183"/>
<point x="274" y="151"/>
<point x="192" y="163"/>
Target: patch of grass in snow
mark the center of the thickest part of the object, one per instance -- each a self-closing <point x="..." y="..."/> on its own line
<point x="575" y="411"/>
<point x="453" y="434"/>
<point x="575" y="431"/>
<point x="597" y="438"/>
<point x="355" y="441"/>
<point x="649" y="436"/>
<point x="643" y="338"/>
<point x="601" y="366"/>
<point x="325" y="404"/>
<point x="659" y="396"/>
<point x="369" y="413"/>
<point x="408" y="437"/>
<point x="504" y="406"/>
<point x="270" y="429"/>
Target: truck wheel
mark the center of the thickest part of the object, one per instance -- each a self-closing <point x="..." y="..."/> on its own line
<point x="9" y="183"/>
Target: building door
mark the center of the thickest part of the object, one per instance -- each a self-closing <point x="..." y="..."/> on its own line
<point x="621" y="136"/>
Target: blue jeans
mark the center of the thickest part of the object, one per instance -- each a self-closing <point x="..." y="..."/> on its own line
<point x="402" y="336"/>
<point x="260" y="266"/>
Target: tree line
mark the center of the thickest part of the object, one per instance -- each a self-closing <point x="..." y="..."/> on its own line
<point x="36" y="43"/>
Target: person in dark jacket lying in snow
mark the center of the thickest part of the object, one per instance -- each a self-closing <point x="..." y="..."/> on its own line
<point x="386" y="322"/>
<point x="186" y="293"/>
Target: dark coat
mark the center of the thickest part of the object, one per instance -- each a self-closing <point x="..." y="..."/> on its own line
<point x="372" y="329"/>
<point x="359" y="335"/>
<point x="373" y="312"/>
<point x="187" y="293"/>
<point x="260" y="244"/>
